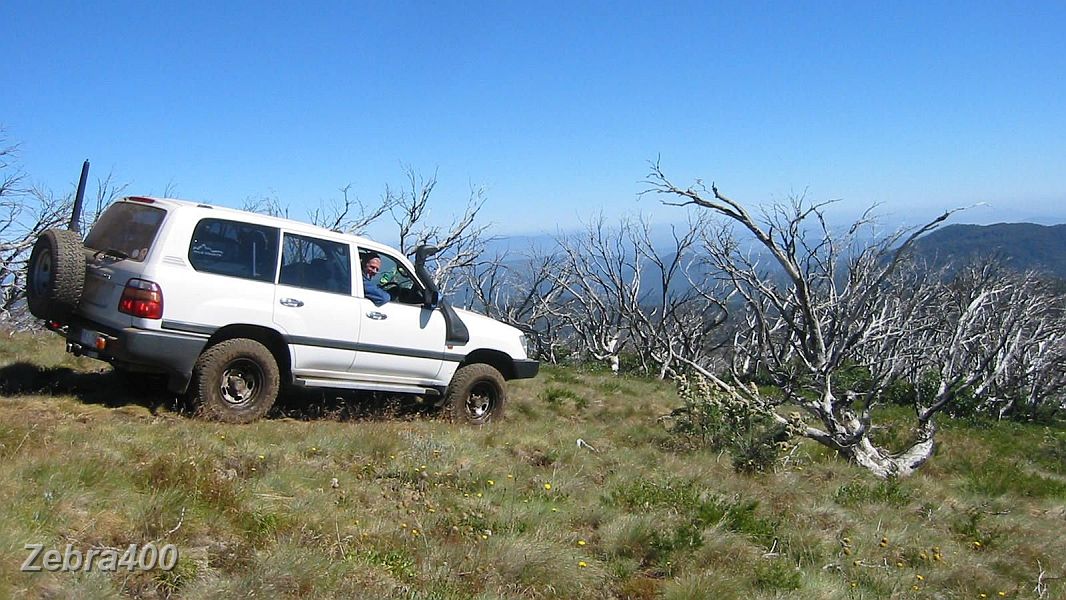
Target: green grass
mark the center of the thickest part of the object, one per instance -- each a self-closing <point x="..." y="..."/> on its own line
<point x="426" y="509"/>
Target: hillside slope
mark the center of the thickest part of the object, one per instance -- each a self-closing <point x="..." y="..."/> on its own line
<point x="358" y="502"/>
<point x="1022" y="246"/>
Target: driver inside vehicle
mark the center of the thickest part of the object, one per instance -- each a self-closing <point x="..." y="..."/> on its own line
<point x="371" y="290"/>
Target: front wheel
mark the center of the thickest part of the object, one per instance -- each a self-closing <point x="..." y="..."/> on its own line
<point x="477" y="394"/>
<point x="236" y="381"/>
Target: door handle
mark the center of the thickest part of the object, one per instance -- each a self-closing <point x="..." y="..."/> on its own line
<point x="376" y="315"/>
<point x="293" y="302"/>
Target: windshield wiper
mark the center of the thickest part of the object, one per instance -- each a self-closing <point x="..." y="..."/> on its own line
<point x="113" y="253"/>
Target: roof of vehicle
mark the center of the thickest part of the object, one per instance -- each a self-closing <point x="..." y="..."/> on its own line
<point x="260" y="218"/>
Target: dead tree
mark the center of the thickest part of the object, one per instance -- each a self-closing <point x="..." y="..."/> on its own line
<point x="681" y="309"/>
<point x="813" y="300"/>
<point x="347" y="214"/>
<point x="26" y="212"/>
<point x="461" y="242"/>
<point x="350" y="214"/>
<point x="520" y="291"/>
<point x="624" y="291"/>
<point x="601" y="283"/>
<point x="995" y="337"/>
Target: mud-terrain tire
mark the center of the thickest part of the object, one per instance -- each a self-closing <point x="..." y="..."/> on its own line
<point x="235" y="381"/>
<point x="476" y="395"/>
<point x="55" y="275"/>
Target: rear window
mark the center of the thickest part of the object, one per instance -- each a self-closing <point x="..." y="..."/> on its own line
<point x="126" y="229"/>
<point x="235" y="249"/>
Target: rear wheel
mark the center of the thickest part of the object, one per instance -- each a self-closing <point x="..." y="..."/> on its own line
<point x="55" y="275"/>
<point x="236" y="381"/>
<point x="477" y="394"/>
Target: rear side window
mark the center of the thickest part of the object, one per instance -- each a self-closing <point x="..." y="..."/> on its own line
<point x="235" y="249"/>
<point x="316" y="264"/>
<point x="126" y="229"/>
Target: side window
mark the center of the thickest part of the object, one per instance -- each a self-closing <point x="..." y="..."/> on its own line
<point x="316" y="264"/>
<point x="394" y="278"/>
<point x="235" y="249"/>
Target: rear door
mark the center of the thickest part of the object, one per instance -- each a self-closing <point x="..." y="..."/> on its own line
<point x="116" y="250"/>
<point x="314" y="306"/>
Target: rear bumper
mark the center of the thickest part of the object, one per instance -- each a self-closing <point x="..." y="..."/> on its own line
<point x="526" y="369"/>
<point x="139" y="349"/>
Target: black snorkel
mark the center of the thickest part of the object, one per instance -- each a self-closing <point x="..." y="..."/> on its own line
<point x="455" y="330"/>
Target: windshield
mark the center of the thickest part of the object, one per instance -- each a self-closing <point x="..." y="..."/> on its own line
<point x="126" y="229"/>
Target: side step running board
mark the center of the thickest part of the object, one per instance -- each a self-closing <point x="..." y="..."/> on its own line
<point x="398" y="388"/>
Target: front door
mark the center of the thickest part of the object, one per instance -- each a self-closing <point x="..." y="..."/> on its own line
<point x="401" y="339"/>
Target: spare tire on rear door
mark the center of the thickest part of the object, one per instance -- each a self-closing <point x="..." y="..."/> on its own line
<point x="55" y="275"/>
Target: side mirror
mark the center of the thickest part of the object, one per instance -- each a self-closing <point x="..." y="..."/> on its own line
<point x="430" y="298"/>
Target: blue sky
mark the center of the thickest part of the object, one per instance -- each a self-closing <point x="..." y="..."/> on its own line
<point x="555" y="108"/>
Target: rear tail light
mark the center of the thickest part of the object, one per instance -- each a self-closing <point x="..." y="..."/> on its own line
<point x="142" y="298"/>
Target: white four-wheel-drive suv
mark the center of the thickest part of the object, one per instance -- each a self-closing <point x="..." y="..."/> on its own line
<point x="230" y="305"/>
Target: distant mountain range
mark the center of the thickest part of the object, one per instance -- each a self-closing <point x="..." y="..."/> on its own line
<point x="1021" y="246"/>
